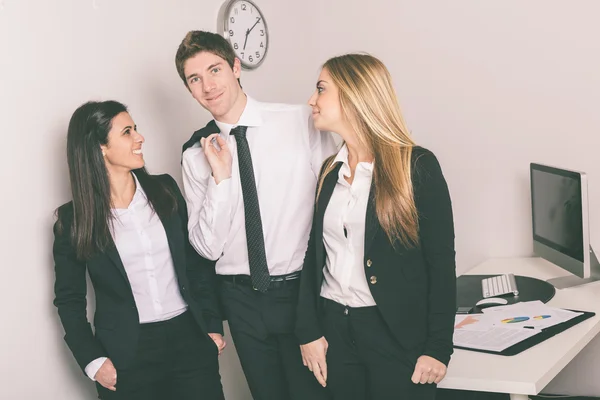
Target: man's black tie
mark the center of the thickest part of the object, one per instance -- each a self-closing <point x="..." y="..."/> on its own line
<point x="259" y="271"/>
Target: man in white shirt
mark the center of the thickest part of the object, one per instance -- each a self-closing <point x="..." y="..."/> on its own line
<point x="250" y="177"/>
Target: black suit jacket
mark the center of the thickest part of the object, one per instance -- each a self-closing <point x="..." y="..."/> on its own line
<point x="415" y="288"/>
<point x="116" y="319"/>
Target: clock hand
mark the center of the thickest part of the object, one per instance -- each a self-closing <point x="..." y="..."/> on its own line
<point x="246" y="40"/>
<point x="250" y="30"/>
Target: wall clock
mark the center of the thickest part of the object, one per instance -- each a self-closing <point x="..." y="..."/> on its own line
<point x="243" y="24"/>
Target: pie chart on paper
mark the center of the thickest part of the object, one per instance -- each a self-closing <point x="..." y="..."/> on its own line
<point x="514" y="320"/>
<point x="541" y="316"/>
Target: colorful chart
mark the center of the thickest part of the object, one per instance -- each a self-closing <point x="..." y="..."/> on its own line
<point x="541" y="316"/>
<point x="514" y="320"/>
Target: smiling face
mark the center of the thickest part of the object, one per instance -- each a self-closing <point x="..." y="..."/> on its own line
<point x="123" y="152"/>
<point x="326" y="106"/>
<point x="214" y="84"/>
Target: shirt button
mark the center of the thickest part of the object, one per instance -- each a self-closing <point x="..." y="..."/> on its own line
<point x="369" y="263"/>
<point x="373" y="280"/>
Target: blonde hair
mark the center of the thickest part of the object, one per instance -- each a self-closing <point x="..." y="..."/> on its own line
<point x="368" y="101"/>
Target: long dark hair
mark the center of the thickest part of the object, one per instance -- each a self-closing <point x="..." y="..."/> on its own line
<point x="90" y="185"/>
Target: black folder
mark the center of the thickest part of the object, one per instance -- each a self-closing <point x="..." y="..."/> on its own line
<point x="546" y="333"/>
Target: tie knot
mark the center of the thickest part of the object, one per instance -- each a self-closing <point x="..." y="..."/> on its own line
<point x="239" y="131"/>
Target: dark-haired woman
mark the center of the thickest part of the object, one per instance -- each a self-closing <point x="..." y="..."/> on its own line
<point x="157" y="327"/>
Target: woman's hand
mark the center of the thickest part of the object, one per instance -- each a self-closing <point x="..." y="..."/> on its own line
<point x="313" y="357"/>
<point x="219" y="341"/>
<point x="428" y="370"/>
<point x="107" y="375"/>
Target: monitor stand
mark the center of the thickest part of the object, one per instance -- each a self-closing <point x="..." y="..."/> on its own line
<point x="573" y="280"/>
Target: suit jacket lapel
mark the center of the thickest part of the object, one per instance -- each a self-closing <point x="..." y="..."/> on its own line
<point x="175" y="240"/>
<point x="113" y="254"/>
<point x="371" y="222"/>
<point x="326" y="192"/>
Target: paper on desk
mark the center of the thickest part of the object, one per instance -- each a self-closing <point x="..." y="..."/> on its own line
<point x="477" y="331"/>
<point x="500" y="327"/>
<point x="532" y="314"/>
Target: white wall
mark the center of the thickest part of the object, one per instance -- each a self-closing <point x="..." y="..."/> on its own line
<point x="55" y="55"/>
<point x="490" y="86"/>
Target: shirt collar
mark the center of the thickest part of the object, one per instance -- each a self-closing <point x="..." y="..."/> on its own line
<point x="139" y="191"/>
<point x="342" y="156"/>
<point x="251" y="117"/>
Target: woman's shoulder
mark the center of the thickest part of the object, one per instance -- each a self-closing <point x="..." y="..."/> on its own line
<point x="154" y="179"/>
<point x="422" y="157"/>
<point x="425" y="164"/>
<point x="168" y="183"/>
<point x="65" y="211"/>
<point x="419" y="151"/>
<point x="164" y="178"/>
<point x="64" y="218"/>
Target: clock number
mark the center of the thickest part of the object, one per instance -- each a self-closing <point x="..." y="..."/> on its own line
<point x="257" y="54"/>
<point x="242" y="55"/>
<point x="250" y="58"/>
<point x="262" y="32"/>
<point x="261" y="44"/>
<point x="243" y="7"/>
<point x="232" y="20"/>
<point x="235" y="46"/>
<point x="230" y="33"/>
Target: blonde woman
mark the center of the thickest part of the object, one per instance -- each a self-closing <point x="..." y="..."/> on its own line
<point x="377" y="296"/>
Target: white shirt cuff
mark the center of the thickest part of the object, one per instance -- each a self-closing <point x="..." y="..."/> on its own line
<point x="92" y="368"/>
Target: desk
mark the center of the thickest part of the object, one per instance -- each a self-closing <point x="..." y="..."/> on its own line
<point x="529" y="372"/>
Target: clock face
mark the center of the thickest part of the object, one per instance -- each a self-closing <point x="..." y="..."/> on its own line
<point x="246" y="30"/>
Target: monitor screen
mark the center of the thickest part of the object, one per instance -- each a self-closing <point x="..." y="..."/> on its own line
<point x="557" y="209"/>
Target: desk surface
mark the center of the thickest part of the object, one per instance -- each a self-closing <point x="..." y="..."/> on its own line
<point x="530" y="371"/>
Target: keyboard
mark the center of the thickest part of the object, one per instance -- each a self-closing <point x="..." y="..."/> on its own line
<point x="499" y="286"/>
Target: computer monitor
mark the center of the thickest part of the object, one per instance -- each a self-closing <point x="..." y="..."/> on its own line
<point x="559" y="208"/>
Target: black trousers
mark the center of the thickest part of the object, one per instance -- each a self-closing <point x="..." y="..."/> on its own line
<point x="364" y="360"/>
<point x="174" y="360"/>
<point x="262" y="326"/>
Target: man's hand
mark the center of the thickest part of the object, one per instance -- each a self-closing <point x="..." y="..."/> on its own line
<point x="428" y="370"/>
<point x="107" y="375"/>
<point x="218" y="159"/>
<point x="313" y="357"/>
<point x="219" y="341"/>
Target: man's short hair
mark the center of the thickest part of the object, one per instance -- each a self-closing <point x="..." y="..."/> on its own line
<point x="196" y="42"/>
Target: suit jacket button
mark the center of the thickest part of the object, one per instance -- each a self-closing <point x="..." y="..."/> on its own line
<point x="373" y="280"/>
<point x="369" y="262"/>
